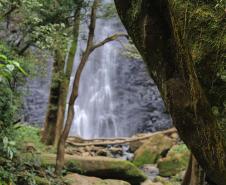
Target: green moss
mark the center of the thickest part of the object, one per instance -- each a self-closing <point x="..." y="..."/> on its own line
<point x="146" y="158"/>
<point x="171" y="167"/>
<point x="151" y="150"/>
<point x="41" y="181"/>
<point x="175" y="162"/>
<point x="26" y="134"/>
<point x="179" y="149"/>
<point x="136" y="9"/>
<point x="75" y="166"/>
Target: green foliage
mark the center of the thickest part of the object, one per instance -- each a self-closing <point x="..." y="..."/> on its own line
<point x="9" y="147"/>
<point x="7" y="68"/>
<point x="25" y="168"/>
<point x="108" y="10"/>
<point x="11" y="74"/>
<point x="25" y="134"/>
<point x="46" y="24"/>
<point x="203" y="29"/>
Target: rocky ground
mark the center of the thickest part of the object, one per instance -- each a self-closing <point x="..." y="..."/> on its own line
<point x="145" y="159"/>
<point x="162" y="158"/>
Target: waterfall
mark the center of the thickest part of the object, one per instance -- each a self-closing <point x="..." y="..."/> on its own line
<point x="116" y="95"/>
<point x="116" y="98"/>
<point x="94" y="107"/>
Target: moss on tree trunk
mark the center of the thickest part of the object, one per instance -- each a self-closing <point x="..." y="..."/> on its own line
<point x="156" y="35"/>
<point x="59" y="90"/>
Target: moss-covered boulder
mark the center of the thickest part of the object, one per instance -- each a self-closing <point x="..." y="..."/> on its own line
<point x="102" y="167"/>
<point x="175" y="161"/>
<point x="151" y="150"/>
<point x="76" y="179"/>
<point x="41" y="181"/>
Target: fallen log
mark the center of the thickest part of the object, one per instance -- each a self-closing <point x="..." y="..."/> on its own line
<point x="114" y="141"/>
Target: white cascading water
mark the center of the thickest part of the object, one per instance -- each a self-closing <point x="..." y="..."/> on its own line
<point x="116" y="98"/>
<point x="94" y="106"/>
<point x="116" y="95"/>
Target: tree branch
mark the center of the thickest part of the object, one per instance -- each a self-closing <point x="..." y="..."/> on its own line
<point x="8" y="12"/>
<point x="109" y="39"/>
<point x="92" y="25"/>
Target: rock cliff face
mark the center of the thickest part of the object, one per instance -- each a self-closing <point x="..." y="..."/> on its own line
<point x="36" y="94"/>
<point x="140" y="104"/>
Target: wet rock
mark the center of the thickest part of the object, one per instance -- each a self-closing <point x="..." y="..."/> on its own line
<point x="150" y="170"/>
<point x="134" y="145"/>
<point x="116" y="151"/>
<point x="149" y="182"/>
<point x="103" y="152"/>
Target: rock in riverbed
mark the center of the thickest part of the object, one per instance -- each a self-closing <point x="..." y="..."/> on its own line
<point x="75" y="179"/>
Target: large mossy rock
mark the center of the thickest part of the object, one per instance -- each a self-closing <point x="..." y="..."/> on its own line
<point x="75" y="179"/>
<point x="41" y="181"/>
<point x="151" y="150"/>
<point x="175" y="161"/>
<point x="102" y="167"/>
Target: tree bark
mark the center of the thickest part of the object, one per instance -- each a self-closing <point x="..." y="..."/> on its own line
<point x="50" y="124"/>
<point x="156" y="35"/>
<point x="67" y="74"/>
<point x="55" y="118"/>
<point x="194" y="174"/>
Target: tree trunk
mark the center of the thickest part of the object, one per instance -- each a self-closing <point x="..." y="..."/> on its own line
<point x="62" y="141"/>
<point x="74" y="93"/>
<point x="50" y="124"/>
<point x="90" y="47"/>
<point x="53" y="127"/>
<point x="197" y="175"/>
<point x="155" y="34"/>
<point x="65" y="133"/>
<point x="66" y="80"/>
<point x="194" y="174"/>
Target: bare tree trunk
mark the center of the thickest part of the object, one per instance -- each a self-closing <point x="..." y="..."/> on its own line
<point x="187" y="177"/>
<point x="194" y="174"/>
<point x="197" y="175"/>
<point x="155" y="34"/>
<point x="90" y="47"/>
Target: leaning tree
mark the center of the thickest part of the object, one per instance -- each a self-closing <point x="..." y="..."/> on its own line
<point x="156" y="34"/>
